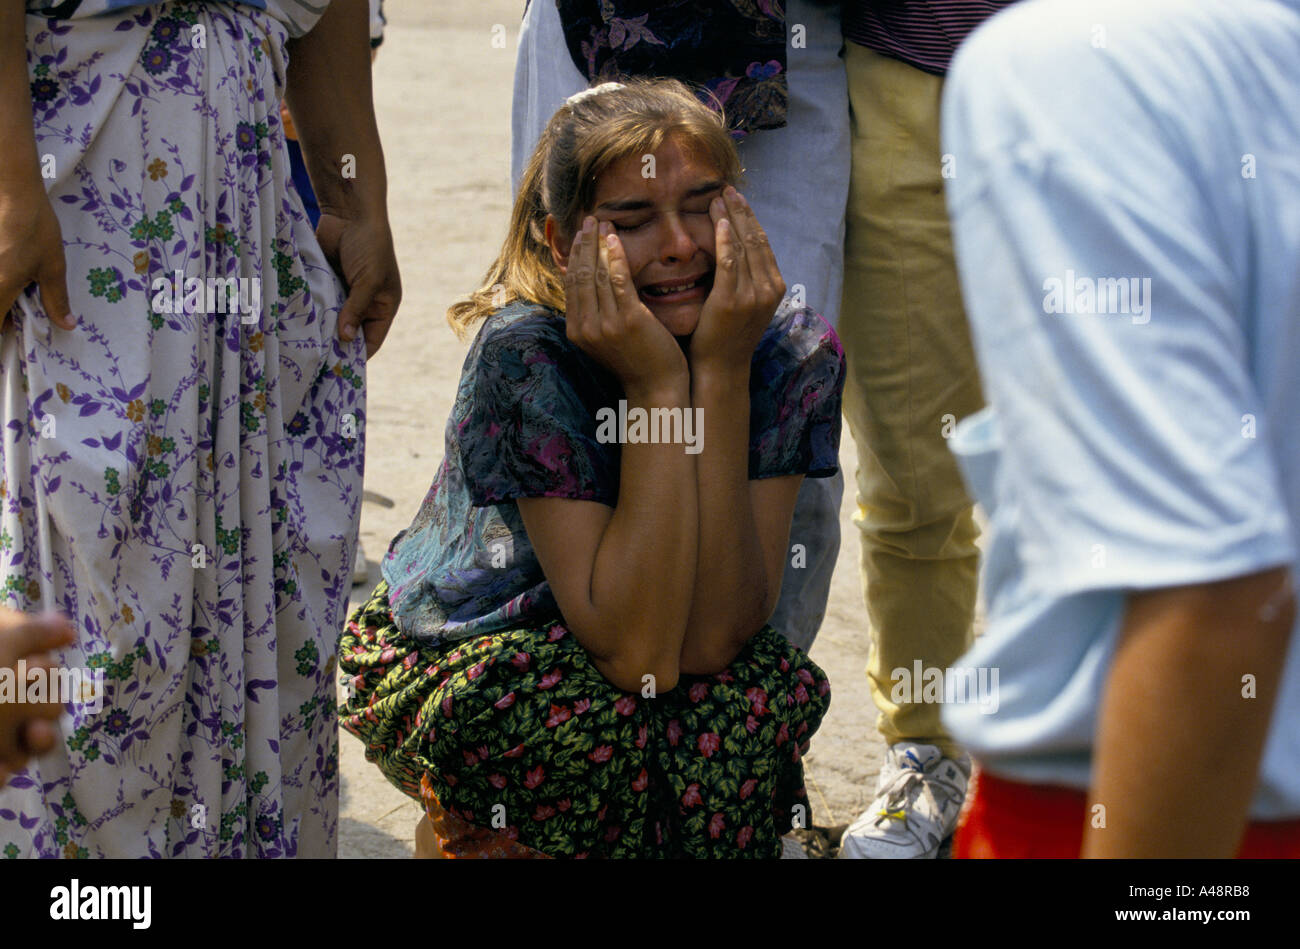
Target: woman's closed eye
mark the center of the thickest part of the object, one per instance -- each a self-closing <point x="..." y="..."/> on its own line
<point x="632" y="226"/>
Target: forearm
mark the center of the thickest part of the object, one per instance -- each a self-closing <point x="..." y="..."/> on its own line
<point x="19" y="164"/>
<point x="329" y="94"/>
<point x="1178" y="744"/>
<point x="645" y="563"/>
<point x="732" y="599"/>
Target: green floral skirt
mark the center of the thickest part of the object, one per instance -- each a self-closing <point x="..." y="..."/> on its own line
<point x="518" y="732"/>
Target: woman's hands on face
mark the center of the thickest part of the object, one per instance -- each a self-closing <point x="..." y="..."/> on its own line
<point x="27" y="729"/>
<point x="605" y="318"/>
<point x="31" y="251"/>
<point x="361" y="252"/>
<point x="747" y="287"/>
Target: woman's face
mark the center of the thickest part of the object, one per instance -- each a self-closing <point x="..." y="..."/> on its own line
<point x="663" y="222"/>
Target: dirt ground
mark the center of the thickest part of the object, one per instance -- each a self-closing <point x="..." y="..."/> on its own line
<point x="443" y="93"/>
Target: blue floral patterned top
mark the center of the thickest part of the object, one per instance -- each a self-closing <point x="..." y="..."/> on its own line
<point x="299" y="16"/>
<point x="524" y="425"/>
<point x="735" y="49"/>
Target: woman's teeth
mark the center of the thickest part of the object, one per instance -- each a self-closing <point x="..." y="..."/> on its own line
<point x="664" y="291"/>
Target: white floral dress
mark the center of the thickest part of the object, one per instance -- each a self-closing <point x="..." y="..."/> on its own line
<point x="185" y="485"/>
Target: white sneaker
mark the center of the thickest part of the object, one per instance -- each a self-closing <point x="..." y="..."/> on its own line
<point x="918" y="799"/>
<point x="360" y="569"/>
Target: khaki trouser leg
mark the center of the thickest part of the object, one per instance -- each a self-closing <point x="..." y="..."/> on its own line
<point x="911" y="373"/>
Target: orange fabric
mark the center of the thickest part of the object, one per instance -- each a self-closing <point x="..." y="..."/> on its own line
<point x="460" y="840"/>
<point x="1013" y="820"/>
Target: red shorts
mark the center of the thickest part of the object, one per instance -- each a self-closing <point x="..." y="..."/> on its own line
<point x="1010" y="820"/>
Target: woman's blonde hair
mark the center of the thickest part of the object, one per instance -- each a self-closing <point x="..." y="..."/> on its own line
<point x="585" y="137"/>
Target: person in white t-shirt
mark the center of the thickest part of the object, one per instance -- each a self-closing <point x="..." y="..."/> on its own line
<point x="1124" y="213"/>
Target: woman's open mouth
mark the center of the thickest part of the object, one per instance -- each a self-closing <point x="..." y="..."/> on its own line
<point x="681" y="291"/>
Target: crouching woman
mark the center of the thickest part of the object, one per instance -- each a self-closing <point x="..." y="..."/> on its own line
<point x="569" y="654"/>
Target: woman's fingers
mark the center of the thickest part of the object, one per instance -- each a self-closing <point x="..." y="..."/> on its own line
<point x="747" y="285"/>
<point x="371" y="306"/>
<point x="50" y="272"/>
<point x="361" y="253"/>
<point x="760" y="262"/>
<point x="52" y="279"/>
<point x="32" y="252"/>
<point x="611" y="313"/>
<point x="27" y="635"/>
<point x="39" y="735"/>
<point x="605" y="318"/>
<point x="378" y="320"/>
<point x="620" y="276"/>
<point x="726" y="272"/>
<point x="572" y="311"/>
<point x="354" y="308"/>
<point x="737" y="233"/>
<point x="52" y="709"/>
<point x="580" y="277"/>
<point x="42" y="666"/>
<point x="26" y="729"/>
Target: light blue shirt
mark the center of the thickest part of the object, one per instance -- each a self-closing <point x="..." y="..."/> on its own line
<point x="1126" y="212"/>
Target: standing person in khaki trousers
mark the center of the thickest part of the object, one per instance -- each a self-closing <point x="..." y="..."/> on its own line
<point x="911" y="376"/>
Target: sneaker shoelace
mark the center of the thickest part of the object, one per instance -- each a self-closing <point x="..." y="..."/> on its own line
<point x="900" y="794"/>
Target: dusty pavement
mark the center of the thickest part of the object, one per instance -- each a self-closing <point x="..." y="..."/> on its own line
<point x="442" y="92"/>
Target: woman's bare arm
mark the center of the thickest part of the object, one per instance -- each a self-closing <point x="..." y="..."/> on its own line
<point x="623" y="579"/>
<point x="623" y="576"/>
<point x="31" y="244"/>
<point x="743" y="527"/>
<point x="1176" y="757"/>
<point x="329" y="94"/>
